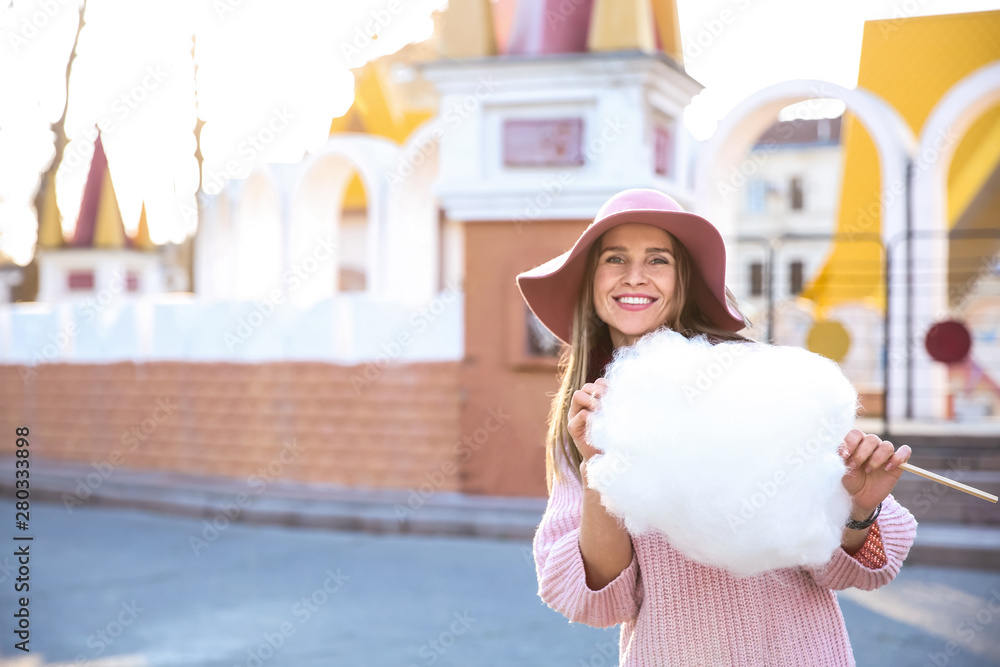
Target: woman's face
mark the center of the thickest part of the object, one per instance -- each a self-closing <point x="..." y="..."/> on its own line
<point x="634" y="280"/>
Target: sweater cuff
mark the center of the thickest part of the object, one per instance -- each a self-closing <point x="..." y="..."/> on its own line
<point x="871" y="554"/>
<point x="896" y="531"/>
<point x="564" y="587"/>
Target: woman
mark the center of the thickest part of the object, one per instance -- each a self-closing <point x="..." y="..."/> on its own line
<point x="642" y="264"/>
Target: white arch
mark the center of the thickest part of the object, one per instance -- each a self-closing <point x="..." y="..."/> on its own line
<point x="413" y="240"/>
<point x="255" y="232"/>
<point x="719" y="160"/>
<point x="943" y="130"/>
<point x="372" y="157"/>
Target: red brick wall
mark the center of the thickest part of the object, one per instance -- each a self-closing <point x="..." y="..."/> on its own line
<point x="234" y="419"/>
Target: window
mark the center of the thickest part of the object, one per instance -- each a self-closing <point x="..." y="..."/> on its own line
<point x="663" y="151"/>
<point x="756" y="279"/>
<point x="540" y="341"/>
<point x="795" y="192"/>
<point x="795" y="281"/>
<point x="80" y="280"/>
<point x="756" y="197"/>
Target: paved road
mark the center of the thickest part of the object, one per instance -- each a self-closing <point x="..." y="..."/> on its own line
<point x="126" y="588"/>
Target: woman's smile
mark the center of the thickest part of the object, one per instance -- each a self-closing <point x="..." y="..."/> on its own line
<point x="634" y="301"/>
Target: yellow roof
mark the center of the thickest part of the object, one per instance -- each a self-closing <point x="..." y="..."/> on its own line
<point x="109" y="232"/>
<point x="50" y="226"/>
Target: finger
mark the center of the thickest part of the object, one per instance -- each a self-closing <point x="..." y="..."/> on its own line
<point x="883" y="452"/>
<point x="854" y="438"/>
<point x="863" y="451"/>
<point x="850" y="444"/>
<point x="581" y="398"/>
<point x="901" y="456"/>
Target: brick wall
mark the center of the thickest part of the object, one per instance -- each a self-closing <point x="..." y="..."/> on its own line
<point x="310" y="422"/>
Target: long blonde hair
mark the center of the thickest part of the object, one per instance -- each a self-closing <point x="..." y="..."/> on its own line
<point x="589" y="331"/>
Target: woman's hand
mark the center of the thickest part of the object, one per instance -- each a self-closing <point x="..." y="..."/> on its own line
<point x="583" y="403"/>
<point x="874" y="471"/>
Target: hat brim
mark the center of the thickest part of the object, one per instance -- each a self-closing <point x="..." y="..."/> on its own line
<point x="552" y="289"/>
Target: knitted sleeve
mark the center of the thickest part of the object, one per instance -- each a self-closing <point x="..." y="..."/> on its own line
<point x="896" y="531"/>
<point x="562" y="582"/>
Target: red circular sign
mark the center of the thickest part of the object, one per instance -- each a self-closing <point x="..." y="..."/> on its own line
<point x="948" y="342"/>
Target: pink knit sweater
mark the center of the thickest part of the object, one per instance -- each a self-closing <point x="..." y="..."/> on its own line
<point x="676" y="611"/>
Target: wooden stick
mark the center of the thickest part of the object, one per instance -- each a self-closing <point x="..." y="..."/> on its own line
<point x="949" y="482"/>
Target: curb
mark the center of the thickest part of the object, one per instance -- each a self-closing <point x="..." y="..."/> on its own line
<point x="217" y="498"/>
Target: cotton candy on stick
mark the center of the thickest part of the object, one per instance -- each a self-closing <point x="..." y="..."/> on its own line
<point x="731" y="451"/>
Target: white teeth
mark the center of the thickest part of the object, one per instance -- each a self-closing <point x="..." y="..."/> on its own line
<point x="635" y="300"/>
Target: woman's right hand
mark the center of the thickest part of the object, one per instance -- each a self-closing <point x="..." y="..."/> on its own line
<point x="584" y="401"/>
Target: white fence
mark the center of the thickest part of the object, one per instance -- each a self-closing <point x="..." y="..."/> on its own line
<point x="348" y="328"/>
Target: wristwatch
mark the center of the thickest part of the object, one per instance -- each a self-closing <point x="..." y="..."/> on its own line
<point x="861" y="525"/>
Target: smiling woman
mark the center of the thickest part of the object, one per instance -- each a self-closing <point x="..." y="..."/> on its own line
<point x="645" y="265"/>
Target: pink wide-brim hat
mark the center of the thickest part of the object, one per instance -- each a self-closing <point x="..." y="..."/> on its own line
<point x="552" y="289"/>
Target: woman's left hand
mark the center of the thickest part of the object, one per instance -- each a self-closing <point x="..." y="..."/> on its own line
<point x="868" y="481"/>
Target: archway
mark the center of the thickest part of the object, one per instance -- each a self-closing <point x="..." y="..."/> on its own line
<point x="940" y="136"/>
<point x="316" y="213"/>
<point x="895" y="144"/>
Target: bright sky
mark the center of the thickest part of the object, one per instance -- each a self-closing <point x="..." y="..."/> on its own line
<point x="273" y="74"/>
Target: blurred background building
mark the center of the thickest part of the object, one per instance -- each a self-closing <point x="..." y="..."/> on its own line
<point x="363" y="303"/>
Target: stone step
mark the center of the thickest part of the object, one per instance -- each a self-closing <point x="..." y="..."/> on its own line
<point x="954" y="545"/>
<point x="930" y="501"/>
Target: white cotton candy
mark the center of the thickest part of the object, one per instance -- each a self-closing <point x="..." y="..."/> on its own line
<point x="729" y="450"/>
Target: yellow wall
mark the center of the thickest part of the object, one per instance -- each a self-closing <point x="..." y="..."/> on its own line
<point x="911" y="63"/>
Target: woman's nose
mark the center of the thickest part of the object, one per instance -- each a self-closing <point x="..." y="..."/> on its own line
<point x="635" y="274"/>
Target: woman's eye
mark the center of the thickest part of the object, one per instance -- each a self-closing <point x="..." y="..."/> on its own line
<point x="661" y="260"/>
<point x="614" y="258"/>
